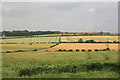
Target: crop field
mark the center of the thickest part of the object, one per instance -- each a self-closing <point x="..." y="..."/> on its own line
<point x="55" y="64"/>
<point x="60" y="65"/>
<point x="85" y="46"/>
<point x="96" y="38"/>
<point x="32" y="39"/>
<point x="15" y="47"/>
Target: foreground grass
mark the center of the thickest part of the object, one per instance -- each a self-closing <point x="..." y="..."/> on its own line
<point x="60" y="65"/>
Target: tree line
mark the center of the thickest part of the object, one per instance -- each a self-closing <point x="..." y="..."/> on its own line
<point x="27" y="33"/>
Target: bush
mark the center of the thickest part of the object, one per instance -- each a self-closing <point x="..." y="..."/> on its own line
<point x="90" y="41"/>
<point x="60" y="50"/>
<point x="77" y="50"/>
<point x="83" y="50"/>
<point x="103" y="49"/>
<point x="46" y="50"/>
<point x="96" y="50"/>
<point x="8" y="52"/>
<point x="89" y="50"/>
<point x="37" y="42"/>
<point x="114" y="41"/>
<point x="80" y="40"/>
<point x="35" y="49"/>
<point x="19" y="51"/>
<point x="108" y="49"/>
<point x="70" y="50"/>
<point x="64" y="50"/>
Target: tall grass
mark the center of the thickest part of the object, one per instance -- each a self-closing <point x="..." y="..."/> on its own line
<point x="60" y="65"/>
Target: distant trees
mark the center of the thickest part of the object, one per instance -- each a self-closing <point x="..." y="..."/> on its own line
<point x="27" y="33"/>
<point x="87" y="41"/>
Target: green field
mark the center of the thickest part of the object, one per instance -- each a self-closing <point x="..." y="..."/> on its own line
<point x="15" y="47"/>
<point x="32" y="39"/>
<point x="60" y="65"/>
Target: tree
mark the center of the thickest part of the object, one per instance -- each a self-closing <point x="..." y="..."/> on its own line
<point x="80" y="40"/>
<point x="101" y="33"/>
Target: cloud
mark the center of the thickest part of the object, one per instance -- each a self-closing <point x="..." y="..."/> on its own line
<point x="61" y="16"/>
<point x="91" y="10"/>
<point x="64" y="6"/>
<point x="6" y="8"/>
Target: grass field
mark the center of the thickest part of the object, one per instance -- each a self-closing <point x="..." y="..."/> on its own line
<point x="15" y="47"/>
<point x="96" y="38"/>
<point x="33" y="40"/>
<point x="60" y="65"/>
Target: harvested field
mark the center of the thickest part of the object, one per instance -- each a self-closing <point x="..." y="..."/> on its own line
<point x="96" y="38"/>
<point x="86" y="46"/>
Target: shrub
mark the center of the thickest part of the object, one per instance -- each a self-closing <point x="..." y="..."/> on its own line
<point x="90" y="41"/>
<point x="103" y="49"/>
<point x="70" y="50"/>
<point x="19" y="51"/>
<point x="77" y="50"/>
<point x="80" y="40"/>
<point x="35" y="49"/>
<point x="64" y="50"/>
<point x="89" y="50"/>
<point x="46" y="50"/>
<point x="108" y="49"/>
<point x="114" y="41"/>
<point x="83" y="50"/>
<point x="37" y="42"/>
<point x="8" y="52"/>
<point x="96" y="50"/>
<point x="60" y="50"/>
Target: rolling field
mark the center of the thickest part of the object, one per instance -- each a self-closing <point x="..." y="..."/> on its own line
<point x="54" y="64"/>
<point x="60" y="65"/>
<point x="96" y="38"/>
<point x="15" y="47"/>
<point x="86" y="46"/>
<point x="33" y="40"/>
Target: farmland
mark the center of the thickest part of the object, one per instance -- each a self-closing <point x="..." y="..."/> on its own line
<point x="85" y="46"/>
<point x="55" y="64"/>
<point x="96" y="38"/>
<point x="32" y="39"/>
<point x="15" y="47"/>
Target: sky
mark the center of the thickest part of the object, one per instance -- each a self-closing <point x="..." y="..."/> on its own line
<point x="60" y="16"/>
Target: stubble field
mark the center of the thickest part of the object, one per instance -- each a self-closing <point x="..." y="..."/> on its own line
<point x="96" y="38"/>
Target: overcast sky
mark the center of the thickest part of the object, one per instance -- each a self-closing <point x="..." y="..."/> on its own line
<point x="61" y="16"/>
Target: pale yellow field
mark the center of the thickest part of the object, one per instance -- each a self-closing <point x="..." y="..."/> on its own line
<point x="86" y="46"/>
<point x="96" y="38"/>
<point x="33" y="40"/>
